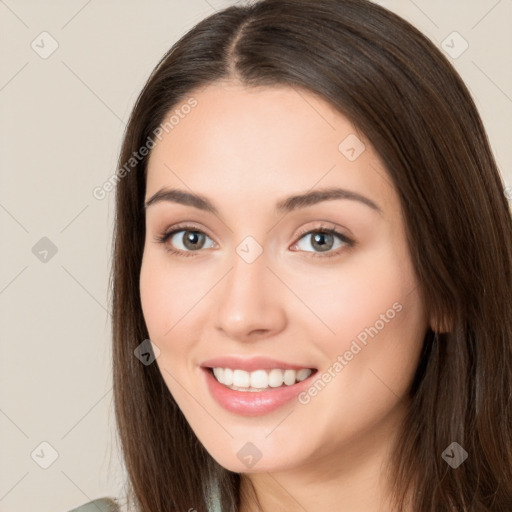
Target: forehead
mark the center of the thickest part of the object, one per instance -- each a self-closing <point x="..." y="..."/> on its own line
<point x="229" y="118"/>
<point x="262" y="142"/>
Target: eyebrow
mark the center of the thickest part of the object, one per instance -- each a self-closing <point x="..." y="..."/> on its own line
<point x="287" y="204"/>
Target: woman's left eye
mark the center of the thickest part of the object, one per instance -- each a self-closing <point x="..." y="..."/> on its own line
<point x="324" y="240"/>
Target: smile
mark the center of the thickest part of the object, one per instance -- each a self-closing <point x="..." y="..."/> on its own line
<point x="259" y="380"/>
<point x="254" y="386"/>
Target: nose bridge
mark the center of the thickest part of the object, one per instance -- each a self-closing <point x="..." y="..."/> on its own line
<point x="245" y="284"/>
<point x="248" y="301"/>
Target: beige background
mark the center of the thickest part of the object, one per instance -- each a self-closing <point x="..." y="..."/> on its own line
<point x="62" y="119"/>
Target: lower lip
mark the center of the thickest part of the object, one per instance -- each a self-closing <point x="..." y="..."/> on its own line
<point x="253" y="403"/>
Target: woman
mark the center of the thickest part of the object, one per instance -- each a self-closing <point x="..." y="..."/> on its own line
<point x="312" y="231"/>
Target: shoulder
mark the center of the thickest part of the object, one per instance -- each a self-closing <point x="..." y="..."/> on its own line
<point x="100" y="505"/>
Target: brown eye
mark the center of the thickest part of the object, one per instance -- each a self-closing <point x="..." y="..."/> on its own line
<point x="323" y="240"/>
<point x="188" y="240"/>
<point x="184" y="241"/>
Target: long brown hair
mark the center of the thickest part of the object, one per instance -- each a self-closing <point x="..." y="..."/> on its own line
<point x="403" y="94"/>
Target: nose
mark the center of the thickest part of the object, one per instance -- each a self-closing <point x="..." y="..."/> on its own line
<point x="250" y="301"/>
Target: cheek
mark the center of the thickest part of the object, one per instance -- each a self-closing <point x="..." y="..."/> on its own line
<point x="163" y="301"/>
<point x="175" y="307"/>
<point x="156" y="297"/>
<point x="373" y="325"/>
<point x="166" y="295"/>
<point x="363" y="291"/>
<point x="378" y="324"/>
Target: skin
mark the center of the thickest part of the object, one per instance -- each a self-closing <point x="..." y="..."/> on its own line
<point x="245" y="149"/>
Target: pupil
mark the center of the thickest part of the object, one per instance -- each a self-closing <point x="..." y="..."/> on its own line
<point x="319" y="241"/>
<point x="192" y="240"/>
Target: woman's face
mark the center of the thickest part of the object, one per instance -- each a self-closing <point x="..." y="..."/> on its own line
<point x="255" y="285"/>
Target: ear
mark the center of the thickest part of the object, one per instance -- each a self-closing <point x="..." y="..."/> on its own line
<point x="441" y="325"/>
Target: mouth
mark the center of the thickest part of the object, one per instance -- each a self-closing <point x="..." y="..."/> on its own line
<point x="254" y="386"/>
<point x="259" y="380"/>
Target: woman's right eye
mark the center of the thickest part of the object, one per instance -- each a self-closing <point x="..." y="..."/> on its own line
<point x="184" y="240"/>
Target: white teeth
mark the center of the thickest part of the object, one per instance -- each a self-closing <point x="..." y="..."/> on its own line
<point x="259" y="379"/>
<point x="219" y="374"/>
<point x="241" y="379"/>
<point x="289" y="377"/>
<point x="303" y="374"/>
<point x="275" y="378"/>
<point x="228" y="376"/>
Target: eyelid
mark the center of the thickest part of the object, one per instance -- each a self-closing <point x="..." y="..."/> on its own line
<point x="348" y="241"/>
<point x="184" y="226"/>
<point x="323" y="226"/>
<point x="170" y="232"/>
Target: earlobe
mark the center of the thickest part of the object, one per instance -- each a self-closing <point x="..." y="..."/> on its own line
<point x="441" y="326"/>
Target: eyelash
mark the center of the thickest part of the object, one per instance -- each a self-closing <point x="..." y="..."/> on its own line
<point x="349" y="243"/>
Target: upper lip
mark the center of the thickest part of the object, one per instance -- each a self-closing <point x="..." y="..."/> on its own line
<point x="250" y="364"/>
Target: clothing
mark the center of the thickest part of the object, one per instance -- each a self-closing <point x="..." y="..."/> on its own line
<point x="109" y="505"/>
<point x="100" y="505"/>
<point x="214" y="500"/>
